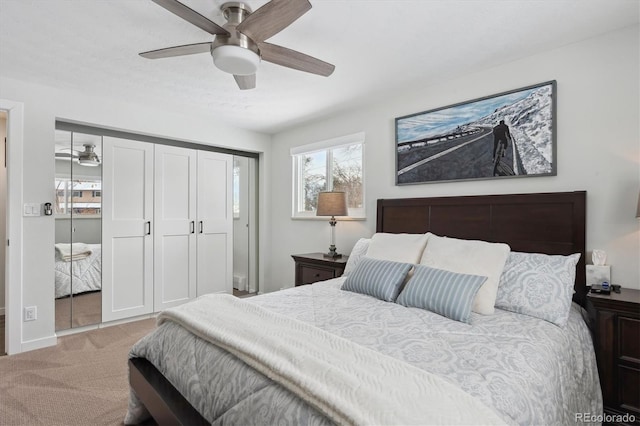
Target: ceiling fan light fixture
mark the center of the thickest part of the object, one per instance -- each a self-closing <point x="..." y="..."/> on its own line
<point x="235" y="60"/>
<point x="88" y="157"/>
<point x="91" y="162"/>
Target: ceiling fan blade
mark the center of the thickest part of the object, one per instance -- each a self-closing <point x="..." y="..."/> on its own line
<point x="186" y="49"/>
<point x="246" y="82"/>
<point x="190" y="15"/>
<point x="272" y="18"/>
<point x="292" y="59"/>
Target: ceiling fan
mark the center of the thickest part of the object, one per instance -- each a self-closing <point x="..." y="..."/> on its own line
<point x="88" y="157"/>
<point x="72" y="155"/>
<point x="240" y="44"/>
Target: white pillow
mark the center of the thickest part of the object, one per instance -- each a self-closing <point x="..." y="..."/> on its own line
<point x="358" y="252"/>
<point x="538" y="285"/>
<point x="470" y="257"/>
<point x="405" y="248"/>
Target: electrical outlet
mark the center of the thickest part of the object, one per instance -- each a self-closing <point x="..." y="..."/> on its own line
<point x="30" y="313"/>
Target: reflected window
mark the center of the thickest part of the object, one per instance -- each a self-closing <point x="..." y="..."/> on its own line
<point x="80" y="197"/>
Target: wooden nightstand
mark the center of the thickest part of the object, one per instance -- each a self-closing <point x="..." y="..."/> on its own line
<point x="313" y="267"/>
<point x="617" y="343"/>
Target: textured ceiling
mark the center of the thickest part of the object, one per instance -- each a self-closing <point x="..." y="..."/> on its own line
<point x="376" y="46"/>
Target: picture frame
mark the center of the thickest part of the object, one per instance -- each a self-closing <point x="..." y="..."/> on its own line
<point x="506" y="135"/>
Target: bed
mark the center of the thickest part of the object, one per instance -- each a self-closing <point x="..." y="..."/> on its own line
<point x="82" y="274"/>
<point x="512" y="368"/>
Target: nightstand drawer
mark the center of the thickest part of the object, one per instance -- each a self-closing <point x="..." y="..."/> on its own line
<point x="313" y="274"/>
<point x="629" y="389"/>
<point x="629" y="329"/>
<point x="314" y="267"/>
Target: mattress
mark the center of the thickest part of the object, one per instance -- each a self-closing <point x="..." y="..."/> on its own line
<point x="527" y="370"/>
<point x="79" y="276"/>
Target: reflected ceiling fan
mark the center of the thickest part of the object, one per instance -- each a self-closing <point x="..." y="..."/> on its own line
<point x="240" y="44"/>
<point x="88" y="157"/>
<point x="72" y="155"/>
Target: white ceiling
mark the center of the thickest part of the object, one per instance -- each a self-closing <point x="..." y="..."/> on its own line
<point x="377" y="46"/>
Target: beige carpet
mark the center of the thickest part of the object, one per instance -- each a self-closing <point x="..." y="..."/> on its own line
<point x="86" y="310"/>
<point x="81" y="381"/>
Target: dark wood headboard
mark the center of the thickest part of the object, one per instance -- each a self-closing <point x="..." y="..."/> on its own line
<point x="551" y="223"/>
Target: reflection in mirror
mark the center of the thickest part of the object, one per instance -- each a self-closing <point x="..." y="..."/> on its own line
<point x="78" y="239"/>
<point x="245" y="282"/>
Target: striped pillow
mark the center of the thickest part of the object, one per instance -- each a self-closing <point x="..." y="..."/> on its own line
<point x="449" y="294"/>
<point x="378" y="278"/>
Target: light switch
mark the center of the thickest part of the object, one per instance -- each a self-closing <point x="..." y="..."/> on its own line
<point x="31" y="209"/>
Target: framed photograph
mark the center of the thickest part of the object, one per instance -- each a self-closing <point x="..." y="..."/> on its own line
<point x="511" y="134"/>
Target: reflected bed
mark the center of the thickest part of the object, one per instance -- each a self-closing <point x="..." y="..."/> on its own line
<point x="82" y="274"/>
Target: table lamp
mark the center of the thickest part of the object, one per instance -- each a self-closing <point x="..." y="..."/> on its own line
<point x="332" y="203"/>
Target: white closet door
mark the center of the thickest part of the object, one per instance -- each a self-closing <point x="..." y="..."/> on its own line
<point x="215" y="223"/>
<point x="127" y="252"/>
<point x="174" y="231"/>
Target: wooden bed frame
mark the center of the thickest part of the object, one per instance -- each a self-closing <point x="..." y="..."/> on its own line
<point x="551" y="223"/>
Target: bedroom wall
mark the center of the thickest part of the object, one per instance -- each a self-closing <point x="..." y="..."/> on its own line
<point x="42" y="106"/>
<point x="598" y="145"/>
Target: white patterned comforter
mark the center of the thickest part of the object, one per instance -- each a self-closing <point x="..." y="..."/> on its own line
<point x="527" y="370"/>
<point x="326" y="370"/>
<point x="79" y="276"/>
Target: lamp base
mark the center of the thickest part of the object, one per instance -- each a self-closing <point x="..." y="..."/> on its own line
<point x="332" y="253"/>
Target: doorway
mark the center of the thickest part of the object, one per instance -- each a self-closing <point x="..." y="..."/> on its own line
<point x="13" y="232"/>
<point x="3" y="225"/>
<point x="245" y="200"/>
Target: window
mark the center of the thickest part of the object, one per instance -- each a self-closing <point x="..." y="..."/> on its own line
<point x="332" y="165"/>
<point x="68" y="192"/>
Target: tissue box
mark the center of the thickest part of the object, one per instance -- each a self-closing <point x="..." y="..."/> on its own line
<point x="596" y="274"/>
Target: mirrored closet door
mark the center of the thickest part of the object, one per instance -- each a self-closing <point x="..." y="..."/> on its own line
<point x="78" y="232"/>
<point x="245" y="259"/>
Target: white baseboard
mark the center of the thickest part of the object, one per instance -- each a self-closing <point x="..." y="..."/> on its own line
<point x="77" y="330"/>
<point x="126" y="320"/>
<point x="45" y="342"/>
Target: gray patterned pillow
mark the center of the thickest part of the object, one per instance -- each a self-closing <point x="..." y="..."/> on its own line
<point x="447" y="293"/>
<point x="538" y="285"/>
<point x="378" y="278"/>
<point x="358" y="252"/>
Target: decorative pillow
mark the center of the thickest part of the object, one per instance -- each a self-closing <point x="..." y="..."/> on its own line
<point x="378" y="278"/>
<point x="446" y="293"/>
<point x="470" y="257"/>
<point x="358" y="252"/>
<point x="397" y="247"/>
<point x="538" y="285"/>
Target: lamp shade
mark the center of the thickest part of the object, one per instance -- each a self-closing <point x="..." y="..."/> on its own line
<point x="332" y="203"/>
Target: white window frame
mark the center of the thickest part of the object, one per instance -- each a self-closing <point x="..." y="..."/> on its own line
<point x="326" y="145"/>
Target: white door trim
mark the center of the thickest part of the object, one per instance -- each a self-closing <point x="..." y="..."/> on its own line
<point x="13" y="274"/>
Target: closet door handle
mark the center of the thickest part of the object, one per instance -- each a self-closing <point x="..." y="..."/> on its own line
<point x="193" y="226"/>
<point x="201" y="228"/>
<point x="147" y="226"/>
